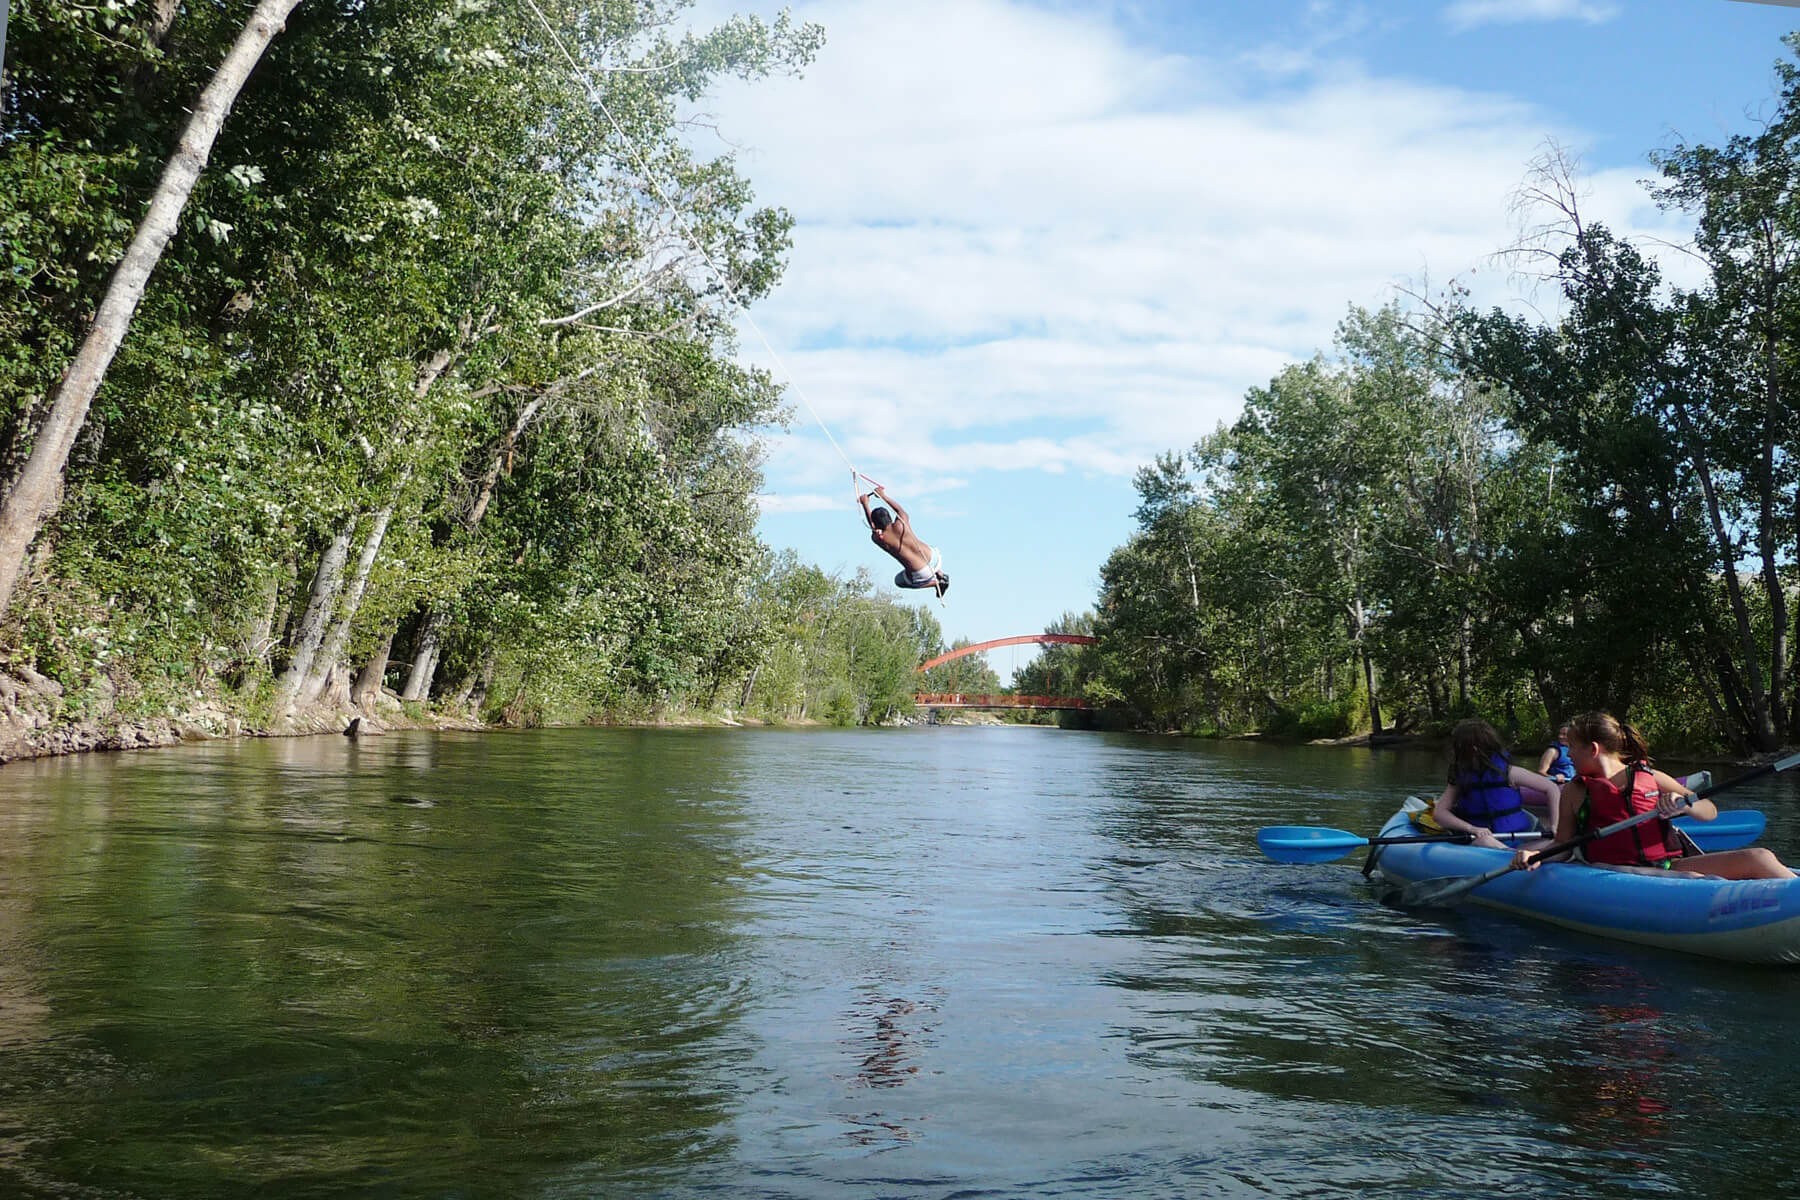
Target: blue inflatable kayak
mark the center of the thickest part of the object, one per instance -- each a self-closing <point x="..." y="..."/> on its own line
<point x="1751" y="920"/>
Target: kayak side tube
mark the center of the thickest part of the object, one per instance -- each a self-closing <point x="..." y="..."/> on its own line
<point x="1751" y="920"/>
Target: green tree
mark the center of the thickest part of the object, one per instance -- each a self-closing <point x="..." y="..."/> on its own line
<point x="1635" y="392"/>
<point x="439" y="243"/>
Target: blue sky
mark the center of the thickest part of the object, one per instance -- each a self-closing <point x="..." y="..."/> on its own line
<point x="1038" y="243"/>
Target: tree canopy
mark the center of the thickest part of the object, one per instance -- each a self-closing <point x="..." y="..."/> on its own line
<point x="1460" y="511"/>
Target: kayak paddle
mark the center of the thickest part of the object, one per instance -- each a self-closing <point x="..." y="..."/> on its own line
<point x="1727" y="831"/>
<point x="1450" y="887"/>
<point x="1317" y="844"/>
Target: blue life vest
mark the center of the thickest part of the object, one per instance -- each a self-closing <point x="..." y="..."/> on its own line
<point x="1487" y="799"/>
<point x="1563" y="769"/>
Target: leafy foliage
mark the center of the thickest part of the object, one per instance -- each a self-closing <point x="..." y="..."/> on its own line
<point x="439" y="369"/>
<point x="836" y="651"/>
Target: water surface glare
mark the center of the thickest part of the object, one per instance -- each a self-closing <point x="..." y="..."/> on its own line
<point x="951" y="962"/>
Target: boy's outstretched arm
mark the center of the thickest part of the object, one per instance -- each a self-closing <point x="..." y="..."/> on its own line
<point x="899" y="513"/>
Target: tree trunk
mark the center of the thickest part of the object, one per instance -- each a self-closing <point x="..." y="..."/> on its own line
<point x="1359" y="627"/>
<point x="502" y="461"/>
<point x="1794" y="677"/>
<point x="259" y="629"/>
<point x="1766" y="538"/>
<point x="477" y="696"/>
<point x="1374" y="700"/>
<point x="34" y="498"/>
<point x="1737" y="716"/>
<point x="280" y="625"/>
<point x="333" y="645"/>
<point x="162" y="19"/>
<point x="425" y="658"/>
<point x="1761" y="728"/>
<point x="1465" y="664"/>
<point x="334" y="688"/>
<point x="311" y="631"/>
<point x="1734" y="689"/>
<point x="368" y="682"/>
<point x="430" y="641"/>
<point x="475" y="688"/>
<point x="1708" y="688"/>
<point x="3" y="8"/>
<point x="327" y="660"/>
<point x="1541" y="660"/>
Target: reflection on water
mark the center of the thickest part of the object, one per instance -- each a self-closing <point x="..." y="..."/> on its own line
<point x="1009" y="962"/>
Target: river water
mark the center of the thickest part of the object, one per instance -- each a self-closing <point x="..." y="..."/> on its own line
<point x="951" y="962"/>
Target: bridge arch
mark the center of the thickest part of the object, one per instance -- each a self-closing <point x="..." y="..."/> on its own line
<point x="1042" y="639"/>
<point x="995" y="700"/>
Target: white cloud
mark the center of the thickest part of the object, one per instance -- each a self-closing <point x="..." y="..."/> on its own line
<point x="1026" y="244"/>
<point x="1469" y="14"/>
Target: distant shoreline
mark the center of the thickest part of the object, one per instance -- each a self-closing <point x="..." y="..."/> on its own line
<point x="29" y="730"/>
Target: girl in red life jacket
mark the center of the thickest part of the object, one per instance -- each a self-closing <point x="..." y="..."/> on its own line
<point x="1486" y="791"/>
<point x="1614" y="780"/>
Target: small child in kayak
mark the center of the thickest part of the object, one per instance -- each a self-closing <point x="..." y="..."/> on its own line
<point x="1556" y="762"/>
<point x="1487" y="794"/>
<point x="1614" y="780"/>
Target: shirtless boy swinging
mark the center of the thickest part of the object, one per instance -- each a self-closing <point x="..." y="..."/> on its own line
<point x="893" y="532"/>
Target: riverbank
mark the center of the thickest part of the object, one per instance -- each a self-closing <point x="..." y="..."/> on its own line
<point x="40" y="718"/>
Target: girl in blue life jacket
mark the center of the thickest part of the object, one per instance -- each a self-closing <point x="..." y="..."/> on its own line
<point x="1556" y="762"/>
<point x="1487" y="794"/>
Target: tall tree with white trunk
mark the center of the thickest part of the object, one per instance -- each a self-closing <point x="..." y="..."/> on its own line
<point x="36" y="493"/>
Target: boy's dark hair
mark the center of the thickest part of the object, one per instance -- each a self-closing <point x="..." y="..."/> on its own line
<point x="880" y="517"/>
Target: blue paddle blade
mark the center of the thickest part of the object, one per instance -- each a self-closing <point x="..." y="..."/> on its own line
<point x="1727" y="831"/>
<point x="1306" y="843"/>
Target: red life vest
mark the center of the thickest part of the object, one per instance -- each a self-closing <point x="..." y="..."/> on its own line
<point x="1649" y="844"/>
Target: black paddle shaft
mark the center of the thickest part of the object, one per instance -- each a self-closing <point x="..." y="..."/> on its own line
<point x="1768" y="768"/>
<point x="1419" y="837"/>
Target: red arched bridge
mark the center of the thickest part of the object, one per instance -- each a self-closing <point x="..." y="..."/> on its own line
<point x="991" y="700"/>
